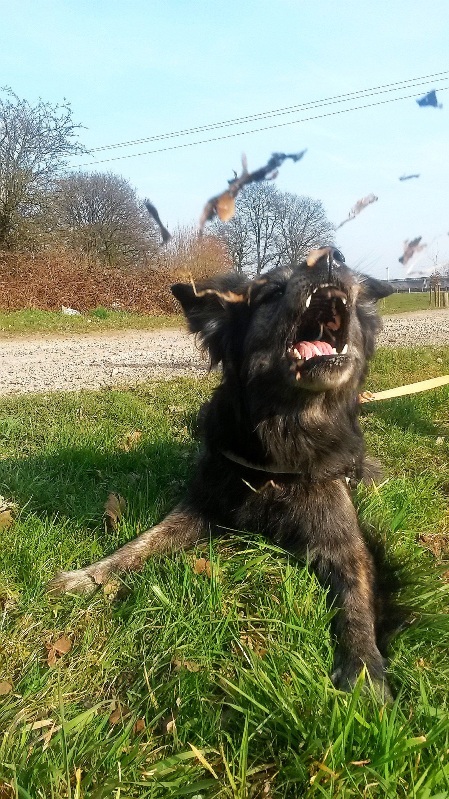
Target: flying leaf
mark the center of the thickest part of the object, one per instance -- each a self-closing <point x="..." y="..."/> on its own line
<point x="358" y="207"/>
<point x="223" y="205"/>
<point x="410" y="249"/>
<point x="429" y="100"/>
<point x="166" y="236"/>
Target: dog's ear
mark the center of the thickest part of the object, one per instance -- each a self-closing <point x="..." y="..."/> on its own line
<point x="209" y="306"/>
<point x="374" y="289"/>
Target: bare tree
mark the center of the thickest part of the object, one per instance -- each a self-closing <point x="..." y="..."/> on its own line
<point x="99" y="214"/>
<point x="35" y="142"/>
<point x="302" y="225"/>
<point x="236" y="237"/>
<point x="271" y="228"/>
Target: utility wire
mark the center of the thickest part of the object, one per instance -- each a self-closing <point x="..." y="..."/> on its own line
<point x="254" y="130"/>
<point x="340" y="98"/>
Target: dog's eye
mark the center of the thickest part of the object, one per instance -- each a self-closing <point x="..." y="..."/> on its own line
<point x="271" y="294"/>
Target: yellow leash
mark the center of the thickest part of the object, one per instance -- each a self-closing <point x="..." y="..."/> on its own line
<point x="400" y="391"/>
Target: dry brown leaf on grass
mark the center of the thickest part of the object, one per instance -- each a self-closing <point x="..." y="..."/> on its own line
<point x="168" y="725"/>
<point x="139" y="726"/>
<point x="5" y="687"/>
<point x="55" y="650"/>
<point x="190" y="665"/>
<point x="6" y="790"/>
<point x="7" y="512"/>
<point x="203" y="566"/>
<point x="113" y="510"/>
<point x="115" y="589"/>
<point x="6" y="519"/>
<point x="130" y="440"/>
<point x="119" y="713"/>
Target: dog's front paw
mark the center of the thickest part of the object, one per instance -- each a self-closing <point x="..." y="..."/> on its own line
<point x="72" y="582"/>
<point x="345" y="679"/>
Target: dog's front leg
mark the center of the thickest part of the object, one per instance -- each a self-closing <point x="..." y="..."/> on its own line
<point x="344" y="564"/>
<point x="180" y="529"/>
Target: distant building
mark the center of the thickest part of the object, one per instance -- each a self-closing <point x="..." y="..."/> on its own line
<point x="418" y="284"/>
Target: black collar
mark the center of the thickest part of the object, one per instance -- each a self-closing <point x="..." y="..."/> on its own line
<point x="269" y="468"/>
<point x="348" y="474"/>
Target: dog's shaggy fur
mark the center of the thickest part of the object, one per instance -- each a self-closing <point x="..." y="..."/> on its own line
<point x="282" y="441"/>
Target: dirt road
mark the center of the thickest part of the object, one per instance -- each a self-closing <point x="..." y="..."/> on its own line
<point x="61" y="363"/>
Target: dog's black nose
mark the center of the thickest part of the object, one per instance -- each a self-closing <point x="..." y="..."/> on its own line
<point x="338" y="256"/>
<point x="329" y="255"/>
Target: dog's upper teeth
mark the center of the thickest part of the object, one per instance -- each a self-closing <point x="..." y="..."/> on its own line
<point x="308" y="300"/>
<point x="296" y="353"/>
<point x="344" y="350"/>
<point x="344" y="300"/>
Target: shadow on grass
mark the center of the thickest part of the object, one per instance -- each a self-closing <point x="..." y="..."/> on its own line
<point x="74" y="482"/>
<point x="405" y="414"/>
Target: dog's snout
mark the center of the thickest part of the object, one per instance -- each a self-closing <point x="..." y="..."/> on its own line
<point x="325" y="255"/>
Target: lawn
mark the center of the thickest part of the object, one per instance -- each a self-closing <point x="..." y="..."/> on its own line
<point x="399" y="303"/>
<point x="210" y="684"/>
<point x="32" y="321"/>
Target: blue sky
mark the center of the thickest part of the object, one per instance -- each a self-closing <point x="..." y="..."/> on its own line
<point x="136" y="68"/>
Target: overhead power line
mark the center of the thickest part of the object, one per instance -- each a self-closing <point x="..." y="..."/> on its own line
<point x="339" y="98"/>
<point x="254" y="130"/>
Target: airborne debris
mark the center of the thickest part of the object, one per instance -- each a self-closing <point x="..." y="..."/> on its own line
<point x="429" y="99"/>
<point x="166" y="236"/>
<point x="408" y="177"/>
<point x="410" y="249"/>
<point x="223" y="205"/>
<point x="358" y="207"/>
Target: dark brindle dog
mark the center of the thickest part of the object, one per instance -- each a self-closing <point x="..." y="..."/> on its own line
<point x="282" y="439"/>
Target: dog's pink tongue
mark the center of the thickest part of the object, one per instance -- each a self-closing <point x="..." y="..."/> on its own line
<point x="309" y="349"/>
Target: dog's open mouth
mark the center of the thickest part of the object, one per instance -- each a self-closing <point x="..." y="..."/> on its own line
<point x="321" y="335"/>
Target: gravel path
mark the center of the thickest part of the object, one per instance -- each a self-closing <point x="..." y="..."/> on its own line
<point x="61" y="363"/>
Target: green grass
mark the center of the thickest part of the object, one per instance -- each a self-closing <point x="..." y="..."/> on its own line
<point x="29" y="322"/>
<point x="233" y="667"/>
<point x="399" y="303"/>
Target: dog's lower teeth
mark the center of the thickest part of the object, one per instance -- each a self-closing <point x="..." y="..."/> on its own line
<point x="344" y="350"/>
